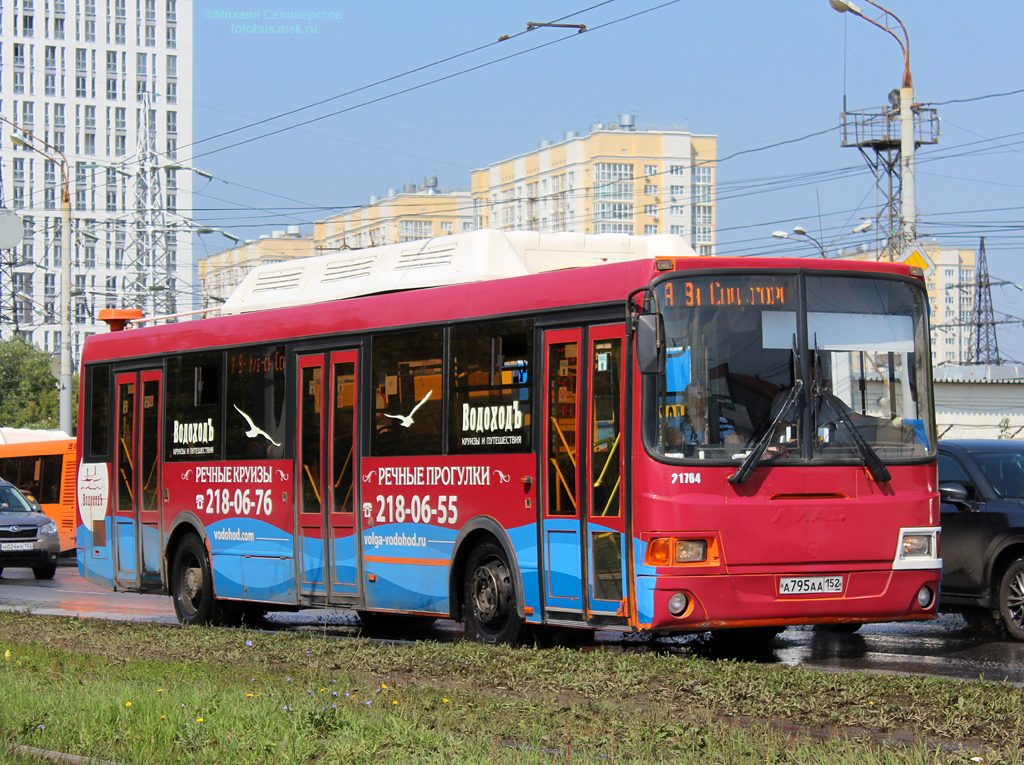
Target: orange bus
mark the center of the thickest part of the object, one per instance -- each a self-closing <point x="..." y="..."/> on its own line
<point x="45" y="468"/>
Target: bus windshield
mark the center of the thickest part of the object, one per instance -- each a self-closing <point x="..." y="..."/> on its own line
<point x="817" y="367"/>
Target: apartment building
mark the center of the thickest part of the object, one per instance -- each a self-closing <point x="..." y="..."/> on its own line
<point x="220" y="273"/>
<point x="416" y="212"/>
<point x="106" y="84"/>
<point x="614" y="180"/>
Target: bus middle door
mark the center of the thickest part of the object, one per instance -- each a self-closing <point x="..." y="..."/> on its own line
<point x="137" y="467"/>
<point x="327" y="490"/>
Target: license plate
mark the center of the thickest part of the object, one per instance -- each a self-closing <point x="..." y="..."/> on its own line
<point x="803" y="585"/>
<point x="15" y="546"/>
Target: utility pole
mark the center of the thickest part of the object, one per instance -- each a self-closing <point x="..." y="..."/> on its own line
<point x="885" y="146"/>
<point x="67" y="247"/>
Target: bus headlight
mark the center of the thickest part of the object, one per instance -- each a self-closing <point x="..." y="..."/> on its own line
<point x="669" y="551"/>
<point x="917" y="548"/>
<point x="917" y="545"/>
<point x="691" y="550"/>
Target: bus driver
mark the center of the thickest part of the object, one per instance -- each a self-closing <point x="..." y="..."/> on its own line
<point x="691" y="428"/>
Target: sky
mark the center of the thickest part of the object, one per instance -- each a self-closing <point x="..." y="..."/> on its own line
<point x="393" y="91"/>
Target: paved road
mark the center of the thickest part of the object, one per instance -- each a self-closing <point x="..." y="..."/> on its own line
<point x="943" y="648"/>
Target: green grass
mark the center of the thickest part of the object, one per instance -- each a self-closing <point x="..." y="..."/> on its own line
<point x="133" y="693"/>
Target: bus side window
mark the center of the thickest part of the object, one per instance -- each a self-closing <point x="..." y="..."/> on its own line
<point x="98" y="421"/>
<point x="193" y="404"/>
<point x="254" y="383"/>
<point x="407" y="371"/>
<point x="490" y="387"/>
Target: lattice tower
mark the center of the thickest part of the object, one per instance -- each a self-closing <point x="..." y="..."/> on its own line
<point x="149" y="267"/>
<point x="982" y="345"/>
<point x="876" y="134"/>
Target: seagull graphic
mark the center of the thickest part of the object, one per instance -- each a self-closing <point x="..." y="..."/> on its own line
<point x="254" y="431"/>
<point x="406" y="420"/>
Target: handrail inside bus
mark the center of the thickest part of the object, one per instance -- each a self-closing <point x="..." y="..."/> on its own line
<point x="341" y="473"/>
<point x="614" y="496"/>
<point x="611" y="454"/>
<point x="558" y="471"/>
<point x="312" y="482"/>
<point x="568" y="449"/>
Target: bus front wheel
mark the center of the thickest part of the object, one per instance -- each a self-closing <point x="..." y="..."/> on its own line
<point x="192" y="583"/>
<point x="490" y="597"/>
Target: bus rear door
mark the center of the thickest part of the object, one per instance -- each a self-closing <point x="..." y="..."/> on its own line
<point x="584" y="535"/>
<point x="327" y="489"/>
<point x="137" y="473"/>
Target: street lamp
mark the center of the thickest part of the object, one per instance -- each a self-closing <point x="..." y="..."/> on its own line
<point x="209" y="230"/>
<point x="908" y="205"/>
<point x="65" y="276"/>
<point x="196" y="170"/>
<point x="801" y="233"/>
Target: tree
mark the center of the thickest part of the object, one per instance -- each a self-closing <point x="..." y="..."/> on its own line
<point x="28" y="392"/>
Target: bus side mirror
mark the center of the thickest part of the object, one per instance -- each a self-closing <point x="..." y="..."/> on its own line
<point x="650" y="343"/>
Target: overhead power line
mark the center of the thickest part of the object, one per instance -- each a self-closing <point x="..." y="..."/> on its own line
<point x="434" y="81"/>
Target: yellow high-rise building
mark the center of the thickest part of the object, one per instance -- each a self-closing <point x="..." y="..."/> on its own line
<point x="614" y="180"/>
<point x="220" y="273"/>
<point x="414" y="213"/>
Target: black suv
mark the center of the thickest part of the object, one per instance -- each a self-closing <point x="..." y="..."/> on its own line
<point x="982" y="488"/>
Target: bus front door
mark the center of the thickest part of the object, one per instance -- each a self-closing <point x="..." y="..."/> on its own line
<point x="583" y="517"/>
<point x="137" y="513"/>
<point x="605" y="526"/>
<point x="327" y="492"/>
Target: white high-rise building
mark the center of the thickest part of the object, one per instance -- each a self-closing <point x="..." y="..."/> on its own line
<point x="108" y="85"/>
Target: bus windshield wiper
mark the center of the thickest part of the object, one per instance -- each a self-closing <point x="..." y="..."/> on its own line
<point x="746" y="468"/>
<point x="872" y="462"/>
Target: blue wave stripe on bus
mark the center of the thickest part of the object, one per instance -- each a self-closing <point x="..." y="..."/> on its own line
<point x="564" y="562"/>
<point x="524" y="543"/>
<point x="645" y="580"/>
<point x="97" y="569"/>
<point x="254" y="578"/>
<point x="248" y="536"/>
<point x="400" y="582"/>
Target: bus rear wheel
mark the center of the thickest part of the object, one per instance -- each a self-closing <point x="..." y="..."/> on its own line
<point x="192" y="583"/>
<point x="490" y="598"/>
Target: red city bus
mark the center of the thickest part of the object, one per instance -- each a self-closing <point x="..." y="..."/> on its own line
<point x="43" y="464"/>
<point x="524" y="431"/>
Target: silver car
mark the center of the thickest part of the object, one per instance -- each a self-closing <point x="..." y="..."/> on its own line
<point x="28" y="539"/>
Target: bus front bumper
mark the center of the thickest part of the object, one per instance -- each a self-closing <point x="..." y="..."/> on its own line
<point x="697" y="603"/>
